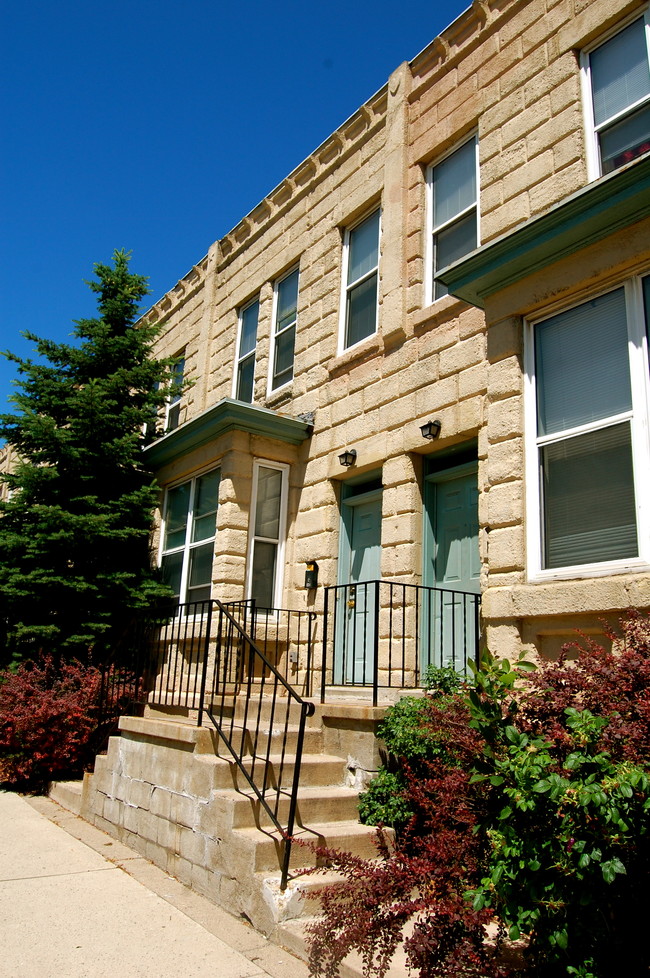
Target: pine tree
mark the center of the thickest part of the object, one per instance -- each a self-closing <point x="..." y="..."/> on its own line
<point x="75" y="563"/>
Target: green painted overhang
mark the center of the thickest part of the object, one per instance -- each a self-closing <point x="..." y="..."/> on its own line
<point x="224" y="416"/>
<point x="607" y="205"/>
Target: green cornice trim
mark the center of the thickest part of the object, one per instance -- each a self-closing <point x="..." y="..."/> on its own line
<point x="224" y="416"/>
<point x="609" y="204"/>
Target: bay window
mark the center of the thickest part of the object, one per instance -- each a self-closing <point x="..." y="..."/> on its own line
<point x="188" y="535"/>
<point x="268" y="521"/>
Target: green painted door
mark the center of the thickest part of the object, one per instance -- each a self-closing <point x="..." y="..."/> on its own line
<point x="359" y="569"/>
<point x="452" y="566"/>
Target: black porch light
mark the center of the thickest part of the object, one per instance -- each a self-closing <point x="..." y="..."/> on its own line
<point x="431" y="429"/>
<point x="348" y="457"/>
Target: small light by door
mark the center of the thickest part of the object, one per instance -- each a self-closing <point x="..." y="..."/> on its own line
<point x="431" y="429"/>
<point x="348" y="457"/>
<point x="311" y="575"/>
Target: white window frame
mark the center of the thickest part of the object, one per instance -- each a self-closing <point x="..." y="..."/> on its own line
<point x="282" y="528"/>
<point x="173" y="403"/>
<point x="275" y="334"/>
<point x="591" y="130"/>
<point x="188" y="546"/>
<point x="639" y="419"/>
<point x="433" y="230"/>
<point x="347" y="288"/>
<point x="239" y="360"/>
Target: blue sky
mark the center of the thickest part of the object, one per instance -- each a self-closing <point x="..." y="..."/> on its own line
<point x="156" y="126"/>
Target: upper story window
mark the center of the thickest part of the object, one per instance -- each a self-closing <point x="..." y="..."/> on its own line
<point x="173" y="407"/>
<point x="588" y="408"/>
<point x="453" y="211"/>
<point x="285" y="305"/>
<point x="361" y="280"/>
<point x="188" y="534"/>
<point x="245" y="370"/>
<point x="267" y="533"/>
<point x="617" y="98"/>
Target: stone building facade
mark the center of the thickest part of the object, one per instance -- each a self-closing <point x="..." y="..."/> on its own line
<point x="437" y="258"/>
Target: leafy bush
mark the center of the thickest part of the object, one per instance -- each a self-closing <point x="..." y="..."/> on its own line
<point x="384" y="802"/>
<point x="48" y="714"/>
<point x="534" y="817"/>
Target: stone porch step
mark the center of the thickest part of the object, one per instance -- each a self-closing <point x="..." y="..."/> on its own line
<point x="323" y="803"/>
<point x="68" y="794"/>
<point x="349" y="836"/>
<point x="292" y="935"/>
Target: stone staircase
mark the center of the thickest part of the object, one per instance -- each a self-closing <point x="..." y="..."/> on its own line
<point x="171" y="791"/>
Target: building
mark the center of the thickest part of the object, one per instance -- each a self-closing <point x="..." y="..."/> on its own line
<point x="420" y="377"/>
<point x="436" y="258"/>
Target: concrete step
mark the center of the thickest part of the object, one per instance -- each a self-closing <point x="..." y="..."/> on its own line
<point x="317" y="804"/>
<point x="67" y="794"/>
<point x="349" y="836"/>
<point x="279" y="738"/>
<point x="292" y="934"/>
<point x="316" y="770"/>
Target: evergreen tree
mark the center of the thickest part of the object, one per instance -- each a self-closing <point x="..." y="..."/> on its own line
<point x="75" y="562"/>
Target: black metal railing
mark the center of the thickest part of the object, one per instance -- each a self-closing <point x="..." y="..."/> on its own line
<point x="385" y="634"/>
<point x="259" y="717"/>
<point x="287" y="638"/>
<point x="179" y="650"/>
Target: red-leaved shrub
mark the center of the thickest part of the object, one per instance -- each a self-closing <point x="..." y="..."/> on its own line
<point x="48" y="714"/>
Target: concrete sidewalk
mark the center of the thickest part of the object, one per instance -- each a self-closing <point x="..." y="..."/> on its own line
<point x="75" y="903"/>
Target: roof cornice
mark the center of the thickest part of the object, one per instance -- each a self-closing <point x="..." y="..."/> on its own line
<point x="225" y="416"/>
<point x="609" y="204"/>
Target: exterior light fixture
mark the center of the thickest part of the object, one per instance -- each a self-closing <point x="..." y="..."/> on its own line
<point x="311" y="575"/>
<point x="348" y="457"/>
<point x="431" y="429"/>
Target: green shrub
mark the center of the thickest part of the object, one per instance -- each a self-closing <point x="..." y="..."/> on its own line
<point x="384" y="802"/>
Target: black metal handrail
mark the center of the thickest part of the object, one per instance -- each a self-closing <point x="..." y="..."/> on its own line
<point x="385" y="634"/>
<point x="258" y="728"/>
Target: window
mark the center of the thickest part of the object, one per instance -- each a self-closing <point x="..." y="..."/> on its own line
<point x="245" y="372"/>
<point x="453" y="194"/>
<point x="285" y="305"/>
<point x="267" y="534"/>
<point x="173" y="409"/>
<point x="588" y="404"/>
<point x="188" y="532"/>
<point x="361" y="278"/>
<point x="617" y="98"/>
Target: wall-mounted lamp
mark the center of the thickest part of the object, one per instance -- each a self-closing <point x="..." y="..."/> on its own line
<point x="348" y="457"/>
<point x="311" y="574"/>
<point x="431" y="429"/>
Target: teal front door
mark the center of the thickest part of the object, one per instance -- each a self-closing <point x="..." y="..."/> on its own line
<point x="357" y="602"/>
<point x="452" y="567"/>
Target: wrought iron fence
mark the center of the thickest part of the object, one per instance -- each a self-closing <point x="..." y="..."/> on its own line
<point x="385" y="634"/>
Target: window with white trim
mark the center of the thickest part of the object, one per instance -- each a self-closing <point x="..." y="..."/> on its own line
<point x="268" y="519"/>
<point x="361" y="280"/>
<point x="616" y="78"/>
<point x="285" y="306"/>
<point x="588" y="407"/>
<point x="245" y="370"/>
<point x="188" y="534"/>
<point x="453" y="211"/>
<point x="173" y="406"/>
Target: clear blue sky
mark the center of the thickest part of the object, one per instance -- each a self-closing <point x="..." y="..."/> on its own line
<point x="156" y="126"/>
